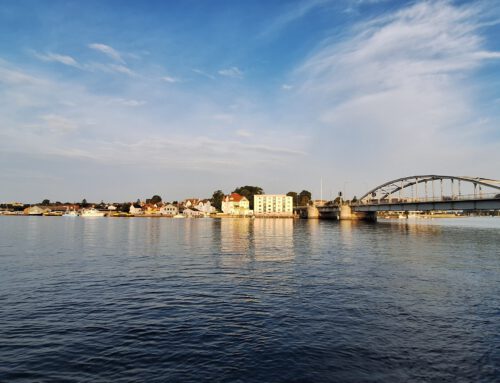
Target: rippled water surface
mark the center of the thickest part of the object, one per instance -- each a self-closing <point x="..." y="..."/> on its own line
<point x="264" y="300"/>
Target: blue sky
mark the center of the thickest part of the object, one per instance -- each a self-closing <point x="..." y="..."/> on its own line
<point x="119" y="100"/>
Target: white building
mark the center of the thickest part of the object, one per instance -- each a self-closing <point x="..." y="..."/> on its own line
<point x="135" y="210"/>
<point x="169" y="210"/>
<point x="192" y="213"/>
<point x="273" y="205"/>
<point x="205" y="207"/>
<point x="236" y="204"/>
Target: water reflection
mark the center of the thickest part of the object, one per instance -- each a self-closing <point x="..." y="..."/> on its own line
<point x="273" y="239"/>
<point x="236" y="233"/>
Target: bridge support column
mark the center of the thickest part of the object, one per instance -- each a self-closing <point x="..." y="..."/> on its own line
<point x="346" y="213"/>
<point x="312" y="212"/>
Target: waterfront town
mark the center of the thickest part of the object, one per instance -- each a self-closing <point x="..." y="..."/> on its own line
<point x="251" y="202"/>
<point x="246" y="201"/>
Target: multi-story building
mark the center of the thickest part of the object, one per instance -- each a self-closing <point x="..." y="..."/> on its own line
<point x="273" y="205"/>
<point x="169" y="210"/>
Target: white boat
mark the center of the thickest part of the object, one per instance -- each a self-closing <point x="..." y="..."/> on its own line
<point x="71" y="213"/>
<point x="92" y="213"/>
<point x="178" y="216"/>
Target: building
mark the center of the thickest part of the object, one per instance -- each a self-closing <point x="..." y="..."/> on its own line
<point x="190" y="202"/>
<point x="135" y="210"/>
<point x="192" y="213"/>
<point x="205" y="206"/>
<point x="169" y="210"/>
<point x="236" y="204"/>
<point x="273" y="205"/>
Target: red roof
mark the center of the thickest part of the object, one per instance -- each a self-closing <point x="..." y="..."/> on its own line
<point x="235" y="197"/>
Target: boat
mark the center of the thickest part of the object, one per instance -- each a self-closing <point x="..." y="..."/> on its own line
<point x="71" y="213"/>
<point x="52" y="214"/>
<point x="178" y="216"/>
<point x="92" y="213"/>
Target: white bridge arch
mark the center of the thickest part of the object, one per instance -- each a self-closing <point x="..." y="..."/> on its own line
<point x="423" y="188"/>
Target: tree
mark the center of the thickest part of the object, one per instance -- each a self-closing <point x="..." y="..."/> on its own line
<point x="248" y="192"/>
<point x="155" y="199"/>
<point x="46" y="202"/>
<point x="217" y="198"/>
<point x="295" y="197"/>
<point x="84" y="203"/>
<point x="304" y="197"/>
<point x="124" y="207"/>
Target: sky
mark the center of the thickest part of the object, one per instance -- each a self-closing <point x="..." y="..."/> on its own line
<point x="119" y="100"/>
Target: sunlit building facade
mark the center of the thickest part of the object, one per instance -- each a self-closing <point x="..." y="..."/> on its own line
<point x="273" y="205"/>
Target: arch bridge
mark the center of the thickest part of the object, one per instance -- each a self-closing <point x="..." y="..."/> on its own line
<point x="431" y="192"/>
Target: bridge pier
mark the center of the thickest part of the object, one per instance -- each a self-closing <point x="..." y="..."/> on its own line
<point x="345" y="213"/>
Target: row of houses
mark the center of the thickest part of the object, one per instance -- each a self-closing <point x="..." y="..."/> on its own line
<point x="190" y="207"/>
<point x="233" y="204"/>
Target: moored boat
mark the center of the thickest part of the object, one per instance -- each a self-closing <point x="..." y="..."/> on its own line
<point x="92" y="212"/>
<point x="71" y="213"/>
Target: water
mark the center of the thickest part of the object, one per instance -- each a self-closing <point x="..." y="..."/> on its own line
<point x="166" y="300"/>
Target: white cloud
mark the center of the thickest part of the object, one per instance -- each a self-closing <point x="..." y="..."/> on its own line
<point x="54" y="57"/>
<point x="294" y="13"/>
<point x="127" y="102"/>
<point x="13" y="76"/>
<point x="398" y="92"/>
<point x="122" y="69"/>
<point x="203" y="73"/>
<point x="286" y="87"/>
<point x="243" y="133"/>
<point x="108" y="51"/>
<point x="233" y="72"/>
<point x="57" y="124"/>
<point x="169" y="79"/>
<point x="223" y="117"/>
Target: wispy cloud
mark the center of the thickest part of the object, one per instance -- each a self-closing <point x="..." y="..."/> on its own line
<point x="170" y="79"/>
<point x="294" y="13"/>
<point x="54" y="57"/>
<point x="57" y="124"/>
<point x="121" y="69"/>
<point x="204" y="74"/>
<point x="108" y="51"/>
<point x="243" y="133"/>
<point x="286" y="87"/>
<point x="12" y="76"/>
<point x="233" y="72"/>
<point x="127" y="102"/>
<point x="404" y="77"/>
<point x="223" y="117"/>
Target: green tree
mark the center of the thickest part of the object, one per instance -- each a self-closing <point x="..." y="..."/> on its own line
<point x="217" y="198"/>
<point x="294" y="196"/>
<point x="124" y="207"/>
<point x="84" y="203"/>
<point x="304" y="197"/>
<point x="155" y="199"/>
<point x="46" y="202"/>
<point x="248" y="192"/>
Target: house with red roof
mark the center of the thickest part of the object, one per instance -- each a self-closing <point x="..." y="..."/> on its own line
<point x="236" y="204"/>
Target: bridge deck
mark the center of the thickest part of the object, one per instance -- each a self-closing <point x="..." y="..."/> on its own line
<point x="479" y="204"/>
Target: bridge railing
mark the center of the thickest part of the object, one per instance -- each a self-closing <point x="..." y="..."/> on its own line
<point x="454" y="198"/>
